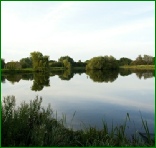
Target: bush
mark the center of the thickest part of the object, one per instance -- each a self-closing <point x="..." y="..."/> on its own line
<point x="100" y="63"/>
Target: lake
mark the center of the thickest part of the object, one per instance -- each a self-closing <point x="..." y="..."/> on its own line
<point x="88" y="98"/>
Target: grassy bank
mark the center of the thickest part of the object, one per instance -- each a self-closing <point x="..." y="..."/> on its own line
<point x="141" y="67"/>
<point x="24" y="70"/>
<point x="62" y="68"/>
<point x="32" y="125"/>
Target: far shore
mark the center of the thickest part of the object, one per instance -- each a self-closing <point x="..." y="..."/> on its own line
<point x="139" y="67"/>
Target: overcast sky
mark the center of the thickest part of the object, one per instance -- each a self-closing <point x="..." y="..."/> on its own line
<point x="81" y="30"/>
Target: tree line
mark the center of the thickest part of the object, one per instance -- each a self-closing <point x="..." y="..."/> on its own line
<point x="40" y="62"/>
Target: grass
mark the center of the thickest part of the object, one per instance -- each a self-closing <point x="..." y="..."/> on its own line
<point x="148" y="67"/>
<point x="24" y="70"/>
<point x="32" y="125"/>
<point x="31" y="69"/>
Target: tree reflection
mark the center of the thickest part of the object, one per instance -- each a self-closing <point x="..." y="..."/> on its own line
<point x="66" y="75"/>
<point x="13" y="77"/>
<point x="102" y="75"/>
<point x="16" y="77"/>
<point x="144" y="73"/>
<point x="125" y="72"/>
<point x="2" y="79"/>
<point x="27" y="76"/>
<point x="40" y="81"/>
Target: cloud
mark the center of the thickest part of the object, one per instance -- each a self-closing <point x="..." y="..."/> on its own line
<point x="57" y="31"/>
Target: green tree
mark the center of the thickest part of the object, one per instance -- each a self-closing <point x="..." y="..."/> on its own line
<point x="2" y="63"/>
<point x="148" y="59"/>
<point x="100" y="63"/>
<point x="40" y="62"/>
<point x="69" y="59"/>
<point x="67" y="64"/>
<point x="13" y="65"/>
<point x="56" y="64"/>
<point x="36" y="56"/>
<point x="26" y="62"/>
<point x="153" y="61"/>
<point x="124" y="61"/>
<point x="145" y="60"/>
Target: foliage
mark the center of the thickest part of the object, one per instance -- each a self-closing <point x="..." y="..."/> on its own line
<point x="2" y="63"/>
<point x="32" y="125"/>
<point x="124" y="61"/>
<point x="55" y="64"/>
<point x="79" y="64"/>
<point x="99" y="63"/>
<point x="69" y="59"/>
<point x="145" y="60"/>
<point x="26" y="62"/>
<point x="40" y="62"/>
<point x="67" y="64"/>
<point x="13" y="65"/>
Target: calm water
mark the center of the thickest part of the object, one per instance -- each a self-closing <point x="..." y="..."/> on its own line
<point x="92" y="96"/>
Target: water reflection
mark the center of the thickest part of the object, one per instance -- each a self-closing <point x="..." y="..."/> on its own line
<point x="16" y="77"/>
<point x="125" y="72"/>
<point x="103" y="75"/>
<point x="42" y="79"/>
<point x="92" y="101"/>
<point x="144" y="73"/>
<point x="66" y="75"/>
<point x="2" y="79"/>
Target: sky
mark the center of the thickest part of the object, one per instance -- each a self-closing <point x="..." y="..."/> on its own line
<point x="81" y="30"/>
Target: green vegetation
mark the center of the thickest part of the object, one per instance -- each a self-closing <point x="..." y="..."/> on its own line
<point x="100" y="63"/>
<point x="32" y="125"/>
<point x="124" y="61"/>
<point x="38" y="62"/>
<point x="141" y="67"/>
<point x="26" y="62"/>
<point x="145" y="60"/>
<point x="24" y="70"/>
<point x="2" y="63"/>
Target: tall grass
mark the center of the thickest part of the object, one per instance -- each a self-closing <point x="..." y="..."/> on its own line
<point x="32" y="125"/>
